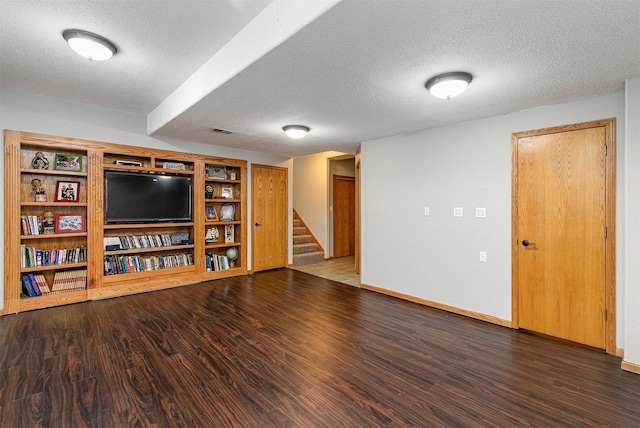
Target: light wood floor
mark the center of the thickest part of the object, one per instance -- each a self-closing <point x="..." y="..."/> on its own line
<point x="341" y="270"/>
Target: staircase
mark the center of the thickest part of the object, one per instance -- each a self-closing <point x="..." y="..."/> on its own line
<point x="305" y="250"/>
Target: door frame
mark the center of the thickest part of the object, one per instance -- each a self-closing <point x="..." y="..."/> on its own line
<point x="254" y="166"/>
<point x="610" y="223"/>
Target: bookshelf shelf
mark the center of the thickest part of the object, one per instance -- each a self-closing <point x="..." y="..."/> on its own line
<point x="53" y="235"/>
<point x="53" y="267"/>
<point x="177" y="248"/>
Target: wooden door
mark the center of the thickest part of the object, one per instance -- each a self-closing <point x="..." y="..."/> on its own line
<point x="269" y="213"/>
<point x="562" y="212"/>
<point x="344" y="216"/>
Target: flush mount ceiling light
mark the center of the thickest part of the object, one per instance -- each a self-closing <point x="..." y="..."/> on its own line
<point x="448" y="85"/>
<point x="295" y="131"/>
<point x="89" y="45"/>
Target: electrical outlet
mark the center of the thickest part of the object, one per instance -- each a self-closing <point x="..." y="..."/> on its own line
<point x="458" y="212"/>
<point x="483" y="257"/>
<point x="481" y="212"/>
<point x="426" y="210"/>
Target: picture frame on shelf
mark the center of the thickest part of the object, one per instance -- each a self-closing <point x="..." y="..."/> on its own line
<point x="226" y="192"/>
<point x="216" y="171"/>
<point x="210" y="213"/>
<point x="67" y="162"/>
<point x="229" y="232"/>
<point x="67" y="191"/>
<point x="69" y="223"/>
<point x="227" y="212"/>
<point x="40" y="161"/>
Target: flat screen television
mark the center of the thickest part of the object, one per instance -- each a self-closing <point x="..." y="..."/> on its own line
<point x="139" y="197"/>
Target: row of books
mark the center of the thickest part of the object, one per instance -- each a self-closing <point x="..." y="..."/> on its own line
<point x="34" y="257"/>
<point x="114" y="265"/>
<point x="127" y="242"/>
<point x="63" y="281"/>
<point x="215" y="262"/>
<point x="31" y="224"/>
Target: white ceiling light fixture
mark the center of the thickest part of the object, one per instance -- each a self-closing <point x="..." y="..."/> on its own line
<point x="295" y="131"/>
<point x="448" y="85"/>
<point x="89" y="45"/>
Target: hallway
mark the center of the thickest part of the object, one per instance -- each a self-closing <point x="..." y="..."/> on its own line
<point x="341" y="269"/>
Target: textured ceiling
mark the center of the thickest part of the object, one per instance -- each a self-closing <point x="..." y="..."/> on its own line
<point x="354" y="73"/>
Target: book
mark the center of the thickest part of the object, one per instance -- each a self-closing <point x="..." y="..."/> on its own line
<point x="27" y="290"/>
<point x="34" y="284"/>
<point x="42" y="283"/>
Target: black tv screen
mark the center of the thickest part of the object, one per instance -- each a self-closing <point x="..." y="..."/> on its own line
<point x="146" y="197"/>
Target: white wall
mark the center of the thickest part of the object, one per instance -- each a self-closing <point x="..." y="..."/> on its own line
<point x="631" y="254"/>
<point x="30" y="113"/>
<point x="311" y="193"/>
<point x="464" y="165"/>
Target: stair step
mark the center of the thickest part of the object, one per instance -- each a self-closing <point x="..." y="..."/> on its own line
<point x="308" y="258"/>
<point x="305" y="248"/>
<point x="302" y="239"/>
<point x="299" y="230"/>
<point x="297" y="223"/>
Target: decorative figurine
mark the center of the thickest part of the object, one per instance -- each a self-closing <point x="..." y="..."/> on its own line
<point x="41" y="196"/>
<point x="39" y="161"/>
<point x="48" y="222"/>
<point x="208" y="191"/>
<point x="212" y="235"/>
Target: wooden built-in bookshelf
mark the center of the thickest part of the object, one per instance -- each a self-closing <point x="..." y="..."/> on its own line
<point x="190" y="257"/>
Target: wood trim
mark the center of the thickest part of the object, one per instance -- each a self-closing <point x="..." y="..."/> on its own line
<point x="630" y="367"/>
<point x="610" y="218"/>
<point x="515" y="289"/>
<point x="11" y="220"/>
<point x="51" y="300"/>
<point x="441" y="306"/>
<point x="610" y="223"/>
<point x="296" y="216"/>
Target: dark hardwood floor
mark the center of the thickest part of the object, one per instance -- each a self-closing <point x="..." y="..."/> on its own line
<point x="287" y="349"/>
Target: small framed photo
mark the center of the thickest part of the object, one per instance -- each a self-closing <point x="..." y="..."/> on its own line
<point x="227" y="212"/>
<point x="210" y="213"/>
<point x="69" y="223"/>
<point x="67" y="162"/>
<point x="229" y="234"/>
<point x="226" y="192"/>
<point x="67" y="191"/>
<point x="216" y="171"/>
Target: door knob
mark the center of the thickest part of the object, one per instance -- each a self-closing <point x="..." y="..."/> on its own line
<point x="258" y="224"/>
<point x="526" y="243"/>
